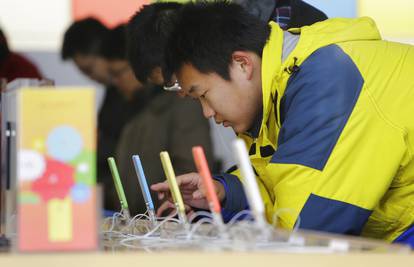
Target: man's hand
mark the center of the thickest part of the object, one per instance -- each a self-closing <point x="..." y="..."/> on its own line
<point x="192" y="190"/>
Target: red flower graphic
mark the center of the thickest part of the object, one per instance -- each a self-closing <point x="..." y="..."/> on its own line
<point x="56" y="181"/>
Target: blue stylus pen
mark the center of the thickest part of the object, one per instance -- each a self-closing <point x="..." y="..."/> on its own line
<point x="144" y="186"/>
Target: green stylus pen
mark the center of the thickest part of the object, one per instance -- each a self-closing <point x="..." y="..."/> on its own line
<point x="118" y="186"/>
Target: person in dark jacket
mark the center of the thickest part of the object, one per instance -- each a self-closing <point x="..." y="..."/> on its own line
<point x="82" y="43"/>
<point x="14" y="65"/>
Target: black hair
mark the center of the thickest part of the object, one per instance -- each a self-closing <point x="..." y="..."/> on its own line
<point x="114" y="45"/>
<point x="83" y="37"/>
<point x="208" y="33"/>
<point x="4" y="48"/>
<point x="148" y="33"/>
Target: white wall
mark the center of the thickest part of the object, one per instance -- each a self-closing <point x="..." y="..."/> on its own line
<point x="35" y="24"/>
<point x="35" y="29"/>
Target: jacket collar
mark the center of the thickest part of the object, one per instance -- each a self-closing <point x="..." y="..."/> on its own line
<point x="257" y="124"/>
<point x="271" y="65"/>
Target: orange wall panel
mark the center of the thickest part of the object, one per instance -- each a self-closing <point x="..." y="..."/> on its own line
<point x="110" y="12"/>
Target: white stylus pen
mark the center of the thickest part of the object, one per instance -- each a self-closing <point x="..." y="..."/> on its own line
<point x="250" y="184"/>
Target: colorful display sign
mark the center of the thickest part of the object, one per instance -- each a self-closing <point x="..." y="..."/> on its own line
<point x="56" y="151"/>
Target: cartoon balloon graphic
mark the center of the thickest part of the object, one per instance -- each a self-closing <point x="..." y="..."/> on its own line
<point x="64" y="143"/>
<point x="80" y="193"/>
<point x="32" y="165"/>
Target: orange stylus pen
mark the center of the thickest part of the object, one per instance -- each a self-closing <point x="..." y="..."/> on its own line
<point x="204" y="171"/>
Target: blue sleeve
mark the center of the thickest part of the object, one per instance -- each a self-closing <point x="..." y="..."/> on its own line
<point x="407" y="237"/>
<point x="329" y="215"/>
<point x="235" y="200"/>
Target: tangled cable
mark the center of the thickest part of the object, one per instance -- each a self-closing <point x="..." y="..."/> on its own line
<point x="201" y="232"/>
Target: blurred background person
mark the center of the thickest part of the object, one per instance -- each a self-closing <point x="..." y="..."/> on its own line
<point x="14" y="65"/>
<point x="82" y="43"/>
<point x="120" y="72"/>
<point x="148" y="32"/>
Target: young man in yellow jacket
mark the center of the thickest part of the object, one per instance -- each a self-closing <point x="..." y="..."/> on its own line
<point x="325" y="110"/>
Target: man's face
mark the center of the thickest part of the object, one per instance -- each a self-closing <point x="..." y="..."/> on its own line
<point x="123" y="77"/>
<point x="96" y="68"/>
<point x="235" y="103"/>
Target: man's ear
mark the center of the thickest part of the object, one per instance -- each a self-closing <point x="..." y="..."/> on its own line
<point x="244" y="61"/>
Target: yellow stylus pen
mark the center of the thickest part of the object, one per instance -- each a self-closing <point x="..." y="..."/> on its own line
<point x="172" y="182"/>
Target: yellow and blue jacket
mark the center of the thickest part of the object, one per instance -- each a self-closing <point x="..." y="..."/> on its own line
<point x="333" y="150"/>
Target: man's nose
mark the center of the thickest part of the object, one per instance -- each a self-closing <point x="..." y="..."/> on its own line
<point x="208" y="112"/>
